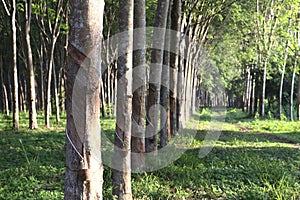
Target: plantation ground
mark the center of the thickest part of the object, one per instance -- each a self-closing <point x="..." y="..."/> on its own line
<point x="252" y="159"/>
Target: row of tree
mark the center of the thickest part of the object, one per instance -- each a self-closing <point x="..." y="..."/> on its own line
<point x="260" y="39"/>
<point x="276" y="31"/>
<point x="31" y="57"/>
<point x="259" y="43"/>
<point x="154" y="94"/>
<point x="221" y="52"/>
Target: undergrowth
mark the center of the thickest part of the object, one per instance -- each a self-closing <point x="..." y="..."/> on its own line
<point x="244" y="164"/>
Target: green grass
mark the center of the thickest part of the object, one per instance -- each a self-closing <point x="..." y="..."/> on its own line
<point x="244" y="164"/>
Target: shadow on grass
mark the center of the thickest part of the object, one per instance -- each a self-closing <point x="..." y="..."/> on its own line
<point x="20" y="148"/>
<point x="243" y="173"/>
<point x="32" y="164"/>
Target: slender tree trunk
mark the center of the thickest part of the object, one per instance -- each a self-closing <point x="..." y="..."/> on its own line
<point x="269" y="23"/>
<point x="282" y="79"/>
<point x="15" y="68"/>
<point x="63" y="72"/>
<point x="2" y="102"/>
<point x="292" y="88"/>
<point x="155" y="75"/>
<point x="139" y="81"/>
<point x="248" y="90"/>
<point x="31" y="91"/>
<point x="102" y="99"/>
<point x="186" y="67"/>
<point x="298" y="98"/>
<point x="25" y="97"/>
<point x="107" y="89"/>
<point x="179" y="102"/>
<point x="84" y="169"/>
<point x="5" y="100"/>
<point x="263" y="94"/>
<point x="175" y="26"/>
<point x="55" y="30"/>
<point x="22" y="97"/>
<point x="49" y="77"/>
<point x="164" y="88"/>
<point x="41" y="57"/>
<point x="194" y="92"/>
<point x="61" y="89"/>
<point x="57" y="109"/>
<point x="10" y="89"/>
<point x="121" y="173"/>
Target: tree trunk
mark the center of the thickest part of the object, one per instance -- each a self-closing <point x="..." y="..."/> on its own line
<point x="249" y="94"/>
<point x="57" y="109"/>
<point x="269" y="24"/>
<point x="179" y="101"/>
<point x="298" y="98"/>
<point x="194" y="91"/>
<point x="155" y="75"/>
<point x="121" y="176"/>
<point x="5" y="100"/>
<point x="164" y="88"/>
<point x="2" y="103"/>
<point x="263" y="94"/>
<point x="55" y="30"/>
<point x="61" y="88"/>
<point x="84" y="169"/>
<point x="41" y="58"/>
<point x="248" y="91"/>
<point x="292" y="89"/>
<point x="63" y="72"/>
<point x="31" y="90"/>
<point x="22" y="96"/>
<point x="48" y="93"/>
<point x="175" y="26"/>
<point x="102" y="99"/>
<point x="282" y="79"/>
<point x="15" y="68"/>
<point x="139" y="82"/>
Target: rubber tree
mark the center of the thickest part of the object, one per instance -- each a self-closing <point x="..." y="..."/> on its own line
<point x="139" y="80"/>
<point x="121" y="173"/>
<point x="84" y="169"/>
<point x="30" y="69"/>
<point x="152" y="111"/>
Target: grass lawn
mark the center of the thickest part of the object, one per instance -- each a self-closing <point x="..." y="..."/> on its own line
<point x="252" y="159"/>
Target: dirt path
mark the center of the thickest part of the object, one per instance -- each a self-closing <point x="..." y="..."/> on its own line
<point x="268" y="136"/>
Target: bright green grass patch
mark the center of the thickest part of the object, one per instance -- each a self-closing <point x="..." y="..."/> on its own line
<point x="285" y="129"/>
<point x="240" y="166"/>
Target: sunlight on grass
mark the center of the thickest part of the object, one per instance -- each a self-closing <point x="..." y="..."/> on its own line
<point x="244" y="164"/>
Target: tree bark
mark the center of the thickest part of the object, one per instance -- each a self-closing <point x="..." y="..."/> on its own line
<point x="2" y="104"/>
<point x="298" y="98"/>
<point x="292" y="88"/>
<point x="55" y="30"/>
<point x="179" y="102"/>
<point x="164" y="88"/>
<point x="31" y="91"/>
<point x="5" y="99"/>
<point x="121" y="173"/>
<point x="139" y="81"/>
<point x="57" y="109"/>
<point x="282" y="79"/>
<point x="41" y="58"/>
<point x="155" y="75"/>
<point x="15" y="68"/>
<point x="84" y="169"/>
<point x="175" y="26"/>
<point x="102" y="99"/>
<point x="23" y="96"/>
